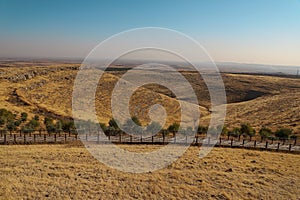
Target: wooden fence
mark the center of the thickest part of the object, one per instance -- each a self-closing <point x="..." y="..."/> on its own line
<point x="36" y="137"/>
<point x="42" y="136"/>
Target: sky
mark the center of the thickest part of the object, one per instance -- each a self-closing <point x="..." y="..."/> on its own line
<point x="256" y="31"/>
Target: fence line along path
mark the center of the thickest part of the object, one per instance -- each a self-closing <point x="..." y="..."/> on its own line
<point x="36" y="137"/>
<point x="42" y="136"/>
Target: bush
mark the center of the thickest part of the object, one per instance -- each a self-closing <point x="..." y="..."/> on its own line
<point x="67" y="125"/>
<point x="283" y="133"/>
<point x="18" y="122"/>
<point x="24" y="116"/>
<point x="58" y="125"/>
<point x="235" y="132"/>
<point x="265" y="132"/>
<point x="49" y="125"/>
<point x="247" y="130"/>
<point x="11" y="126"/>
<point x="173" y="127"/>
<point x="6" y="116"/>
<point x="113" y="123"/>
<point x="202" y="129"/>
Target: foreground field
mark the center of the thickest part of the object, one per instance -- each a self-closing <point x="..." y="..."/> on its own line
<point x="70" y="172"/>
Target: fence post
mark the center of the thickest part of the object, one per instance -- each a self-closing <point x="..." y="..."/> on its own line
<point x="152" y="138"/>
<point x="174" y="138"/>
<point x="196" y="139"/>
<point x="15" y="138"/>
<point x="120" y="138"/>
<point x="24" y="137"/>
<point x="231" y="142"/>
<point x="131" y="138"/>
<point x="208" y="142"/>
<point x="4" y="140"/>
<point x="243" y="142"/>
<point x="295" y="141"/>
<point x="34" y="136"/>
<point x="163" y="138"/>
<point x="272" y="140"/>
<point x="254" y="143"/>
<point x="45" y="138"/>
<point x="290" y="147"/>
<point x="220" y="141"/>
<point x="55" y="137"/>
<point x="278" y="146"/>
<point x="266" y="144"/>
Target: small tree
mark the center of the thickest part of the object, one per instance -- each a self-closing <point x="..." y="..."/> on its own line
<point x="235" y="132"/>
<point x="17" y="122"/>
<point x="173" y="127"/>
<point x="283" y="133"/>
<point x="202" y="129"/>
<point x="265" y="132"/>
<point x="136" y="121"/>
<point x="49" y="125"/>
<point x="58" y="125"/>
<point x="24" y="116"/>
<point x="10" y="125"/>
<point x="247" y="130"/>
<point x="113" y="123"/>
<point x="67" y="125"/>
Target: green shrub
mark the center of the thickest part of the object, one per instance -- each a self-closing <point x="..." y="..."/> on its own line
<point x="247" y="130"/>
<point x="283" y="133"/>
<point x="265" y="132"/>
<point x="174" y="127"/>
<point x="24" y="116"/>
<point x="113" y="123"/>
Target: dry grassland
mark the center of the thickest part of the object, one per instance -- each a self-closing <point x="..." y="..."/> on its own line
<point x="70" y="172"/>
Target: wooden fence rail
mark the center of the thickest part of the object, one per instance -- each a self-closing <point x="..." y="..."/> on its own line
<point x="41" y="136"/>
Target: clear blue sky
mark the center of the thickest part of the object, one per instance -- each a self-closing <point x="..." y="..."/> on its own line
<point x="256" y="31"/>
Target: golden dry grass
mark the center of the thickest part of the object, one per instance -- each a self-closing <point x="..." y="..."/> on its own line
<point x="257" y="100"/>
<point x="70" y="172"/>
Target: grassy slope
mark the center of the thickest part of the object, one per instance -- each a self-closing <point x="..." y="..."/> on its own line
<point x="277" y="103"/>
<point x="64" y="171"/>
